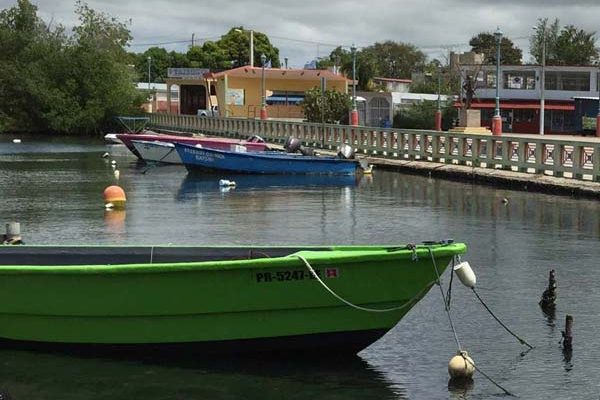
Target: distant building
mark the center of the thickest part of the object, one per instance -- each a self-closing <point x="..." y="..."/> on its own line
<point x="393" y="84"/>
<point x="470" y="57"/>
<point x="238" y="90"/>
<point x="159" y="100"/>
<point x="377" y="108"/>
<point x="520" y="94"/>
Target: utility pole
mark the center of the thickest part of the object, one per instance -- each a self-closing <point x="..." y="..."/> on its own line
<point x="193" y="39"/>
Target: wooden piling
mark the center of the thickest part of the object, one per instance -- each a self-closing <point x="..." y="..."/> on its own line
<point x="567" y="334"/>
<point x="548" y="299"/>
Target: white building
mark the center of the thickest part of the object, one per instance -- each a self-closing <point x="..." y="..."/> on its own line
<point x="520" y="94"/>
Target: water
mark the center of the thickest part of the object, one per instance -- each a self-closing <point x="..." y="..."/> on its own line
<point x="54" y="188"/>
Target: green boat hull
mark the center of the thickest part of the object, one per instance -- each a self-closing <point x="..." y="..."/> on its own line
<point x="245" y="297"/>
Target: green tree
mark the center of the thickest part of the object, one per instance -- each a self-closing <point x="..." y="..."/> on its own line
<point x="566" y="46"/>
<point x="60" y="83"/>
<point x="388" y="59"/>
<point x="236" y="45"/>
<point x="422" y="116"/>
<point x="330" y="107"/>
<point x="209" y="55"/>
<point x="160" y="61"/>
<point x="395" y="59"/>
<point x="485" y="43"/>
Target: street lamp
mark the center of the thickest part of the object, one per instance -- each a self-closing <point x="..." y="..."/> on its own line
<point x="354" y="113"/>
<point x="263" y="104"/>
<point x="149" y="93"/>
<point x="543" y="76"/>
<point x="251" y="45"/>
<point x="598" y="116"/>
<point x="438" y="113"/>
<point x="497" y="120"/>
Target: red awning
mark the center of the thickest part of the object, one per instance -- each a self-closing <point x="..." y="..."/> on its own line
<point x="527" y="106"/>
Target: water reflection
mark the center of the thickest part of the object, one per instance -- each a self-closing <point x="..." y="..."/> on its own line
<point x="27" y="375"/>
<point x="193" y="184"/>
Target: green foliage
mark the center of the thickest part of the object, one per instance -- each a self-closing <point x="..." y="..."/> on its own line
<point x="232" y="50"/>
<point x="422" y="116"/>
<point x="388" y="59"/>
<point x="485" y="43"/>
<point x="67" y="84"/>
<point x="566" y="46"/>
<point x="331" y="108"/>
<point x="448" y="80"/>
<point x="236" y="45"/>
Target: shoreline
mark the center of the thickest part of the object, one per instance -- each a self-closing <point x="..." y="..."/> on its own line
<point x="492" y="177"/>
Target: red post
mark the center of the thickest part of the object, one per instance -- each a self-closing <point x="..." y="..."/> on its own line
<point x="438" y="120"/>
<point x="354" y="117"/>
<point x="263" y="113"/>
<point x="497" y="125"/>
<point x="598" y="125"/>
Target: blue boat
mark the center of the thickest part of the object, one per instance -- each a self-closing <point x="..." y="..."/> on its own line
<point x="264" y="162"/>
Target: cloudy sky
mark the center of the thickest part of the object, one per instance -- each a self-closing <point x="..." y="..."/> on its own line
<point x="306" y="29"/>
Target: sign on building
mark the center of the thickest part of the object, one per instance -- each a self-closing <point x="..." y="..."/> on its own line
<point x="187" y="73"/>
<point x="235" y="97"/>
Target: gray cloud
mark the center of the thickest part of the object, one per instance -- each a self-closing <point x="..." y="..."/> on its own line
<point x="436" y="26"/>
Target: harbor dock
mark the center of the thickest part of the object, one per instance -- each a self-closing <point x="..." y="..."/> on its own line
<point x="560" y="164"/>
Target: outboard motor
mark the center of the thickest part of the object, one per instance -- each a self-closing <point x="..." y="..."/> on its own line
<point x="292" y="144"/>
<point x="346" y="152"/>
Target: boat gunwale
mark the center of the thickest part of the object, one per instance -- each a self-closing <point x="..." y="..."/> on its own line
<point x="280" y="156"/>
<point x="336" y="255"/>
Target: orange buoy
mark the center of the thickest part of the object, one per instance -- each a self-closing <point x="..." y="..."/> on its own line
<point x="114" y="195"/>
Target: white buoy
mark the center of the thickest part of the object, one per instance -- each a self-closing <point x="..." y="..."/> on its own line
<point x="105" y="155"/>
<point x="109" y="206"/>
<point x="504" y="200"/>
<point x="466" y="274"/>
<point x="461" y="366"/>
<point x="225" y="182"/>
<point x="113" y="162"/>
<point x="16" y="140"/>
<point x="117" y="173"/>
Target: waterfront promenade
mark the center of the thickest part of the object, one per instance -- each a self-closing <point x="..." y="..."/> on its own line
<point x="552" y="163"/>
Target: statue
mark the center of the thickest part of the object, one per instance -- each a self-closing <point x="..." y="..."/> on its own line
<point x="469" y="89"/>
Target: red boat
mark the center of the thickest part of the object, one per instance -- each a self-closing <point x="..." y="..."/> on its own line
<point x="255" y="143"/>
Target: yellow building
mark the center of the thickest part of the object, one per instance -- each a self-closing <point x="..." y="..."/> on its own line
<point x="239" y="93"/>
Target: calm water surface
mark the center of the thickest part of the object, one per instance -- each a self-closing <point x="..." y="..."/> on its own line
<point x="54" y="188"/>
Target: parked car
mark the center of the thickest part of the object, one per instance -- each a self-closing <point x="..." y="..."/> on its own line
<point x="212" y="112"/>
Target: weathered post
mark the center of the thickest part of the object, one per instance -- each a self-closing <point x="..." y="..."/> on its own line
<point x="13" y="233"/>
<point x="549" y="296"/>
<point x="567" y="334"/>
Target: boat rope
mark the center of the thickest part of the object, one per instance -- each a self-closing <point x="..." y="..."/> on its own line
<point x="522" y="341"/>
<point x="439" y="283"/>
<point x="340" y="298"/>
<point x="449" y="291"/>
<point x="460" y="350"/>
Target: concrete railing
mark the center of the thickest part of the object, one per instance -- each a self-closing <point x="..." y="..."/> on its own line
<point x="576" y="159"/>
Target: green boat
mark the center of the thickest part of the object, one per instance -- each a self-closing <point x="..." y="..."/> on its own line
<point x="212" y="299"/>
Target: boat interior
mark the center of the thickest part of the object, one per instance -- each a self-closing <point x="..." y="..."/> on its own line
<point x="112" y="255"/>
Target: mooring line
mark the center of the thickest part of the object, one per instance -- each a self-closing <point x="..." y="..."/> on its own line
<point x="522" y="341"/>
<point x="460" y="351"/>
<point x="340" y="298"/>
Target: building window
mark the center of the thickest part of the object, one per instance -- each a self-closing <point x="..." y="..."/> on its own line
<point x="523" y="80"/>
<point x="285" y="98"/>
<point x="379" y="110"/>
<point x="572" y="81"/>
<point x="481" y="79"/>
<point x="522" y="115"/>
